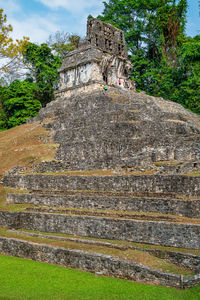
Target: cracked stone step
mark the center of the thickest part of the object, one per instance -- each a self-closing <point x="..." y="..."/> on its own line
<point x="115" y="243"/>
<point x="126" y="126"/>
<point x="102" y="263"/>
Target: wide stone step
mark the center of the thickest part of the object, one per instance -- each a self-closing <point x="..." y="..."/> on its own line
<point x="114" y="214"/>
<point x="187" y="258"/>
<point x="180" y="207"/>
<point x="132" y="154"/>
<point x="165" y="233"/>
<point x="123" y="132"/>
<point x="121" y="215"/>
<point x="99" y="263"/>
<point x="95" y="103"/>
<point x="177" y="184"/>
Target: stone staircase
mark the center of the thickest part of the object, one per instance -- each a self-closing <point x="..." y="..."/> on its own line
<point x="84" y="210"/>
<point x="114" y="205"/>
<point x="121" y="198"/>
<point x="124" y="202"/>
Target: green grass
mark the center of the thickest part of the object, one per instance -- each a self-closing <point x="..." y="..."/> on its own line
<point x="24" y="279"/>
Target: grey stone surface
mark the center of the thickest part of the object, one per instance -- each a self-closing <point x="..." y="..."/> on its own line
<point x="122" y="130"/>
<point x="174" y="184"/>
<point x="179" y="207"/>
<point x="190" y="282"/>
<point x="152" y="232"/>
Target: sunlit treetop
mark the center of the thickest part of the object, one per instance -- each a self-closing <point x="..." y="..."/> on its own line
<point x="8" y="47"/>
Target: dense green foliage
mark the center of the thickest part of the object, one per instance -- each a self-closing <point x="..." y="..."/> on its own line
<point x="25" y="279"/>
<point x="187" y="90"/>
<point x="43" y="65"/>
<point x="166" y="63"/>
<point x="18" y="103"/>
<point x="23" y="99"/>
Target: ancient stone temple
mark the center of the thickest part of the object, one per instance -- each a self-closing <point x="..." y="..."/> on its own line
<point x="100" y="59"/>
<point x="120" y="195"/>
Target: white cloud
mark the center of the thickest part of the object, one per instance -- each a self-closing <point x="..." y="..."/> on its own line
<point x="10" y="6"/>
<point x="39" y="25"/>
<point x="35" y="27"/>
<point x="75" y="6"/>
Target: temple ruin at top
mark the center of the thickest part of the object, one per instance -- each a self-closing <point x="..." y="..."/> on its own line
<point x="100" y="59"/>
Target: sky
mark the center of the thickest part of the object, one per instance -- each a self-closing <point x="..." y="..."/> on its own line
<point x="38" y="19"/>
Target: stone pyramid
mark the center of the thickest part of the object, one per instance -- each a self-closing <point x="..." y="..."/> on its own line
<point x="124" y="184"/>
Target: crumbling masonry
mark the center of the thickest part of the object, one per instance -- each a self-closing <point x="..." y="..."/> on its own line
<point x="100" y="59"/>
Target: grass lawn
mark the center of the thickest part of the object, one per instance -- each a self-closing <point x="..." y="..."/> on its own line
<point x="25" y="279"/>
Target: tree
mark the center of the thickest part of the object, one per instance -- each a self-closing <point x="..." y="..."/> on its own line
<point x="165" y="62"/>
<point x="18" y="103"/>
<point x="170" y="21"/>
<point x="10" y="51"/>
<point x="43" y="65"/>
<point x="188" y="88"/>
<point x="62" y="43"/>
<point x="151" y="27"/>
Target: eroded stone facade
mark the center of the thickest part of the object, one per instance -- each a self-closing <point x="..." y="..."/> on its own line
<point x="100" y="59"/>
<point x="106" y="37"/>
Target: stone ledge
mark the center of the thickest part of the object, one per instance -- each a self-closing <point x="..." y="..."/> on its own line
<point x="93" y="262"/>
<point x="188" y="208"/>
<point x="186" y="260"/>
<point x="178" y="184"/>
<point x="156" y="233"/>
<point x="104" y="264"/>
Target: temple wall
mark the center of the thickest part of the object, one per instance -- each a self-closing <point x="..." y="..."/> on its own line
<point x="101" y="59"/>
<point x="75" y="91"/>
<point x="116" y="72"/>
<point x="79" y="75"/>
<point x="108" y="71"/>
